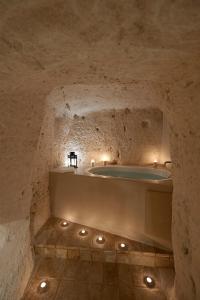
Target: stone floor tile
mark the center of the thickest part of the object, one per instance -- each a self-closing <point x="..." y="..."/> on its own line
<point x="61" y="253"/>
<point x="97" y="255"/>
<point x="136" y="258"/>
<point x="73" y="254"/>
<point x="95" y="291"/>
<point x="50" y="267"/>
<point x="162" y="260"/>
<point x="42" y="236"/>
<point x="149" y="259"/>
<point x="110" y="274"/>
<point x="32" y="291"/>
<point x="70" y="269"/>
<point x="53" y="237"/>
<point x="39" y="250"/>
<point x="49" y="251"/>
<point x="110" y="292"/>
<point x="72" y="290"/>
<point x="96" y="274"/>
<point x="110" y="256"/>
<point x="137" y="276"/>
<point x="125" y="274"/>
<point x="83" y="271"/>
<point x="85" y="254"/>
<point x="126" y="293"/>
<point x="123" y="257"/>
<point x="148" y="294"/>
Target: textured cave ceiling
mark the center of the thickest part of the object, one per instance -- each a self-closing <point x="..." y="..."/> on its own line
<point x="97" y="54"/>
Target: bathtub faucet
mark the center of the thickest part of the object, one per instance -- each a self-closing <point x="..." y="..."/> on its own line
<point x="167" y="162"/>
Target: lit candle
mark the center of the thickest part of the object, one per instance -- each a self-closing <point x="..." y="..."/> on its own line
<point x="155" y="163"/>
<point x="105" y="158"/>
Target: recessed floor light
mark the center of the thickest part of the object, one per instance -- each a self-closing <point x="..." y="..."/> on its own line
<point x="64" y="223"/>
<point x="43" y="286"/>
<point x="83" y="232"/>
<point x="123" y="246"/>
<point x="100" y="239"/>
<point x="149" y="281"/>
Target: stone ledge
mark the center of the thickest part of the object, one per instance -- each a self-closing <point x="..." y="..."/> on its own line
<point x="113" y="256"/>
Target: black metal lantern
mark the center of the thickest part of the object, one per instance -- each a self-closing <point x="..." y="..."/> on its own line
<point x="73" y="160"/>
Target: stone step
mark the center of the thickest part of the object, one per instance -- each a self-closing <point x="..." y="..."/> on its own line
<point x="56" y="240"/>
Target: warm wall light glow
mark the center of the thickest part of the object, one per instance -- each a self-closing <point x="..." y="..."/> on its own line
<point x="105" y="157"/>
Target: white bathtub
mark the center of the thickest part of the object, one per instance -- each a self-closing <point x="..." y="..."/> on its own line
<point x="131" y="172"/>
<point x="136" y="209"/>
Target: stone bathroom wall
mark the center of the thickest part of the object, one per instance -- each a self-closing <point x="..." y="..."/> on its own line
<point x="40" y="205"/>
<point x="165" y="153"/>
<point x="15" y="258"/>
<point x="128" y="136"/>
<point x="130" y="44"/>
<point x="182" y="107"/>
<point x="20" y="128"/>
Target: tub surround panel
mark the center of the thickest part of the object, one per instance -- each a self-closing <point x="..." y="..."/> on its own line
<point x="157" y="205"/>
<point x="112" y="205"/>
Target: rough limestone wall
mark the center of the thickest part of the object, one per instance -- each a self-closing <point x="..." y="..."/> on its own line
<point x="15" y="258"/>
<point x="40" y="209"/>
<point x="20" y="125"/>
<point x="165" y="154"/>
<point x="183" y="107"/>
<point x="126" y="136"/>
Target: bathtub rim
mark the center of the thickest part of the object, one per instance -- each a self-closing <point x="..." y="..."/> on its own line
<point x="166" y="180"/>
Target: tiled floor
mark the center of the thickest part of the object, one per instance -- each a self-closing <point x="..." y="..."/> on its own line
<point x="78" y="268"/>
<point x="56" y="235"/>
<point x="83" y="280"/>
